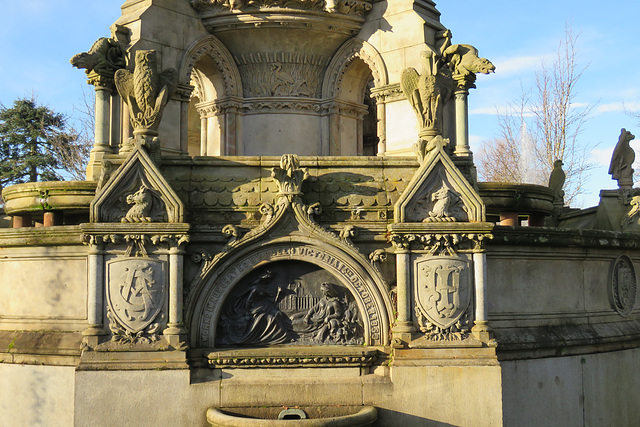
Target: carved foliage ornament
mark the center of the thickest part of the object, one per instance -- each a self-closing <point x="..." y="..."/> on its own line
<point x="347" y="7"/>
<point x="623" y="285"/>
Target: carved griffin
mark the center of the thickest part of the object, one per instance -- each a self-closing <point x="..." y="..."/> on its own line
<point x="465" y="61"/>
<point x="103" y="59"/>
<point x="146" y="91"/>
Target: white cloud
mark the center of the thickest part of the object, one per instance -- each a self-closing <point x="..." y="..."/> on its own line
<point x="517" y="65"/>
<point x="619" y="106"/>
<point x="602" y="156"/>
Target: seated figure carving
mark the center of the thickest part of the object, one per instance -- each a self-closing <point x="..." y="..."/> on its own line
<point x="331" y="320"/>
<point x="254" y="317"/>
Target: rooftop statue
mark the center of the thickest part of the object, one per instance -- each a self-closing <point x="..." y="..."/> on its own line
<point x="622" y="160"/>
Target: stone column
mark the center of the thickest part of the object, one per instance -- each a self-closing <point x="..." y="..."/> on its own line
<point x="175" y="329"/>
<point x="382" y="125"/>
<point x="204" y="132"/>
<point x="103" y="115"/>
<point x="115" y="137"/>
<point x="481" y="328"/>
<point x="462" y="122"/>
<point x="101" y="148"/>
<point x="184" y="94"/>
<point x="95" y="290"/>
<point x="403" y="328"/>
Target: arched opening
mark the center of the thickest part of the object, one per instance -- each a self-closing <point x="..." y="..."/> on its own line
<point x="206" y="117"/>
<point x="357" y="121"/>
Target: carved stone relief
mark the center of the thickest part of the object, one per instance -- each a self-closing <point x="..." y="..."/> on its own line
<point x="443" y="297"/>
<point x="623" y="285"/>
<point x="289" y="303"/>
<point x="321" y="267"/>
<point x="438" y="201"/>
<point x="137" y="202"/>
<point x="135" y="295"/>
<point x="280" y="74"/>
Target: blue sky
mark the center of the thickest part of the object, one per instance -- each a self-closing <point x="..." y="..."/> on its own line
<point x="38" y="37"/>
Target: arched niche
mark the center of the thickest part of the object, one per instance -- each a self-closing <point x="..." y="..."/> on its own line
<point x="209" y="67"/>
<point x="355" y="69"/>
<point x="362" y="289"/>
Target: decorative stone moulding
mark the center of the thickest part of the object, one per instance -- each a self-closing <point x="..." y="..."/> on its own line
<point x="137" y="193"/>
<point x="35" y="199"/>
<point x="251" y="28"/>
<point x="514" y="200"/>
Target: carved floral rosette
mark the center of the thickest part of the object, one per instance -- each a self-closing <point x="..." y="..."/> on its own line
<point x="623" y="285"/>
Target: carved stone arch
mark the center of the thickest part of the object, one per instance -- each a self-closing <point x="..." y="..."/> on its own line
<point x="351" y="50"/>
<point x="365" y="284"/>
<point x="212" y="47"/>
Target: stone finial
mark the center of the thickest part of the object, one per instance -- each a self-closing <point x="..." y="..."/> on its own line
<point x="289" y="175"/>
<point x="101" y="62"/>
<point x="556" y="183"/>
<point x="146" y="92"/>
<point x="622" y="160"/>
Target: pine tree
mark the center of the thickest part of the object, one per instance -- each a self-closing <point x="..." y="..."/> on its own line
<point x="27" y="135"/>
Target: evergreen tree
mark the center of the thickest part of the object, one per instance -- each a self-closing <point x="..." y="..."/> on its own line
<point x="27" y="135"/>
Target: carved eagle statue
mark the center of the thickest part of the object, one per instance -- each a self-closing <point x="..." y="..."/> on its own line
<point x="145" y="90"/>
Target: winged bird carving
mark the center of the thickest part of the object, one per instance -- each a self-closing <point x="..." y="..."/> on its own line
<point x="146" y="91"/>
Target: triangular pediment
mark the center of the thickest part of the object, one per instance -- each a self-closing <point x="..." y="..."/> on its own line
<point x="137" y="192"/>
<point x="439" y="193"/>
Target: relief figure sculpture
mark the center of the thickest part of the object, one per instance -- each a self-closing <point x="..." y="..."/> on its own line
<point x="332" y="320"/>
<point x="254" y="317"/>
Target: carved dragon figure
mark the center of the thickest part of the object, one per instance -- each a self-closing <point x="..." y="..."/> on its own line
<point x="142" y="201"/>
<point x="105" y="57"/>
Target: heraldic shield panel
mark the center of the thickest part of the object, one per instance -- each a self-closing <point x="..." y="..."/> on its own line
<point x="135" y="291"/>
<point x="443" y="288"/>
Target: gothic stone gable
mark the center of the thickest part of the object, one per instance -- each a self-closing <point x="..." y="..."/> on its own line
<point x="439" y="193"/>
<point x="137" y="193"/>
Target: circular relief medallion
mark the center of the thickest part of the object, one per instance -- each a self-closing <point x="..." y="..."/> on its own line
<point x="623" y="285"/>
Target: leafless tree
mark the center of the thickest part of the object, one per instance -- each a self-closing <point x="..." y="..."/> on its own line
<point x="72" y="148"/>
<point x="543" y="126"/>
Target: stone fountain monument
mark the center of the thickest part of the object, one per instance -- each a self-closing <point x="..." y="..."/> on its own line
<point x="281" y="218"/>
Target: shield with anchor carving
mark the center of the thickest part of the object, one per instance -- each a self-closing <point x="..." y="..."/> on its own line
<point x="135" y="291"/>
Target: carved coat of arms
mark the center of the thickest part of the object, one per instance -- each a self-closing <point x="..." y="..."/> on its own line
<point x="135" y="291"/>
<point x="443" y="288"/>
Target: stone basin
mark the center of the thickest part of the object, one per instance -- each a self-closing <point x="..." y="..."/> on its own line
<point x="318" y="416"/>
